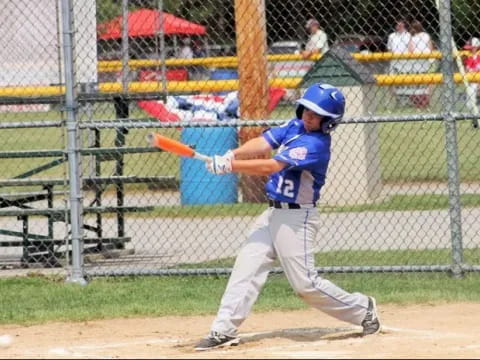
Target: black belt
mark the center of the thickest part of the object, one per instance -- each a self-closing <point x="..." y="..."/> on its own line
<point x="284" y="205"/>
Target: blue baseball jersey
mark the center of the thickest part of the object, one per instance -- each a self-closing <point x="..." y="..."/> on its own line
<point x="306" y="154"/>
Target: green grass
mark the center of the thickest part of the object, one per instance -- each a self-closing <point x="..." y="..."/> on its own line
<point x="410" y="203"/>
<point x="392" y="203"/>
<point x="367" y="258"/>
<point x="36" y="299"/>
<point x="150" y="164"/>
<point x="416" y="152"/>
<point x="157" y="164"/>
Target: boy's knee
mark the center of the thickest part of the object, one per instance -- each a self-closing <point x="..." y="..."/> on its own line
<point x="304" y="291"/>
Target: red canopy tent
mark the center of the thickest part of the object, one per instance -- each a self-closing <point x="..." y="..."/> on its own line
<point x="146" y="22"/>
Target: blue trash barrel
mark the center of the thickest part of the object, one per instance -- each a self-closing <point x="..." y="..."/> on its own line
<point x="223" y="74"/>
<point x="197" y="185"/>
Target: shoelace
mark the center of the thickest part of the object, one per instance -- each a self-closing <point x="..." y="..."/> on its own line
<point x="217" y="336"/>
<point x="369" y="316"/>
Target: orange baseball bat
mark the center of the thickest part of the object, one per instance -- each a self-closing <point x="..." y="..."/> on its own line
<point x="174" y="146"/>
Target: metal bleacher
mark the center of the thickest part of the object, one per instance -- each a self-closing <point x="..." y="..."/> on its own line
<point x="38" y="200"/>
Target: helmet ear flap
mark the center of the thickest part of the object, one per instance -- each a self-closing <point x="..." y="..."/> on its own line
<point x="299" y="111"/>
<point x="329" y="124"/>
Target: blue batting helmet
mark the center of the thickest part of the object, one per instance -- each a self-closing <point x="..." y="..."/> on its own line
<point x="325" y="100"/>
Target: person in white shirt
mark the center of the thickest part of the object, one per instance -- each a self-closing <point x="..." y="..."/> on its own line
<point x="318" y="41"/>
<point x="398" y="43"/>
<point x="186" y="51"/>
<point x="420" y="42"/>
<point x="472" y="64"/>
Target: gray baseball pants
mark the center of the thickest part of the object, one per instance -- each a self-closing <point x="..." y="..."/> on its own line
<point x="289" y="235"/>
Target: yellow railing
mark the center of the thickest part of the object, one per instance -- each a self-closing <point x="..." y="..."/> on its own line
<point x="116" y="65"/>
<point x="31" y="91"/>
<point x="225" y="85"/>
<point x="232" y="61"/>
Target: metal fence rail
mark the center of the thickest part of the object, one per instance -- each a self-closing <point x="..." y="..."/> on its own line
<point x="84" y="82"/>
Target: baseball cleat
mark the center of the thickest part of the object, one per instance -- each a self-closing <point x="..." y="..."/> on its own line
<point x="216" y="340"/>
<point x="371" y="323"/>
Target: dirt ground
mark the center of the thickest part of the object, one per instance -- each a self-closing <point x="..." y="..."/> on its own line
<point x="426" y="331"/>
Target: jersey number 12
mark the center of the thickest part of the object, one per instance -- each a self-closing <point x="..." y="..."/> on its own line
<point x="287" y="187"/>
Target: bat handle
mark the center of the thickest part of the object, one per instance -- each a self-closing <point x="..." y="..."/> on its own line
<point x="150" y="137"/>
<point x="202" y="157"/>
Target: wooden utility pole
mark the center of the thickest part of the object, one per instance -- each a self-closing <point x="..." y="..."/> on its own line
<point x="251" y="39"/>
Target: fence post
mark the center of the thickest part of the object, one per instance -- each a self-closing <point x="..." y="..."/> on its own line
<point x="73" y="151"/>
<point x="251" y="40"/>
<point x="451" y="144"/>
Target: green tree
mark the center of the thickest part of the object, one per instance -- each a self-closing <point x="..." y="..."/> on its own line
<point x="465" y="19"/>
<point x="108" y="9"/>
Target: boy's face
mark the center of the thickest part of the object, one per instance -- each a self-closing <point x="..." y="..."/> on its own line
<point x="311" y="120"/>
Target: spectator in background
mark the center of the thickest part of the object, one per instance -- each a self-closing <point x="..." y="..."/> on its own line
<point x="198" y="50"/>
<point x="318" y="42"/>
<point x="186" y="51"/>
<point x="198" y="72"/>
<point x="472" y="64"/>
<point x="420" y="42"/>
<point x="398" y="43"/>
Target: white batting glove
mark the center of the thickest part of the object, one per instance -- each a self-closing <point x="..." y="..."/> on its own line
<point x="230" y="155"/>
<point x="220" y="165"/>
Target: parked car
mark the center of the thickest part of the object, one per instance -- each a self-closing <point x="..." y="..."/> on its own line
<point x="289" y="68"/>
<point x="285" y="47"/>
<point x="358" y="43"/>
<point x="220" y="50"/>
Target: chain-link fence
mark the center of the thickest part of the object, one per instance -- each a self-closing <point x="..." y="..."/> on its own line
<point x="84" y="82"/>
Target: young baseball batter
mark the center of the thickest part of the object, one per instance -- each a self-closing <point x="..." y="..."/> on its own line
<point x="287" y="229"/>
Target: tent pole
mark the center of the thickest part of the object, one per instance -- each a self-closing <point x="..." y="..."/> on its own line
<point x="162" y="51"/>
<point x="125" y="47"/>
<point x="175" y="43"/>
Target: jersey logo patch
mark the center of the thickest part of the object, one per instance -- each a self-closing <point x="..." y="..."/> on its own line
<point x="299" y="153"/>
